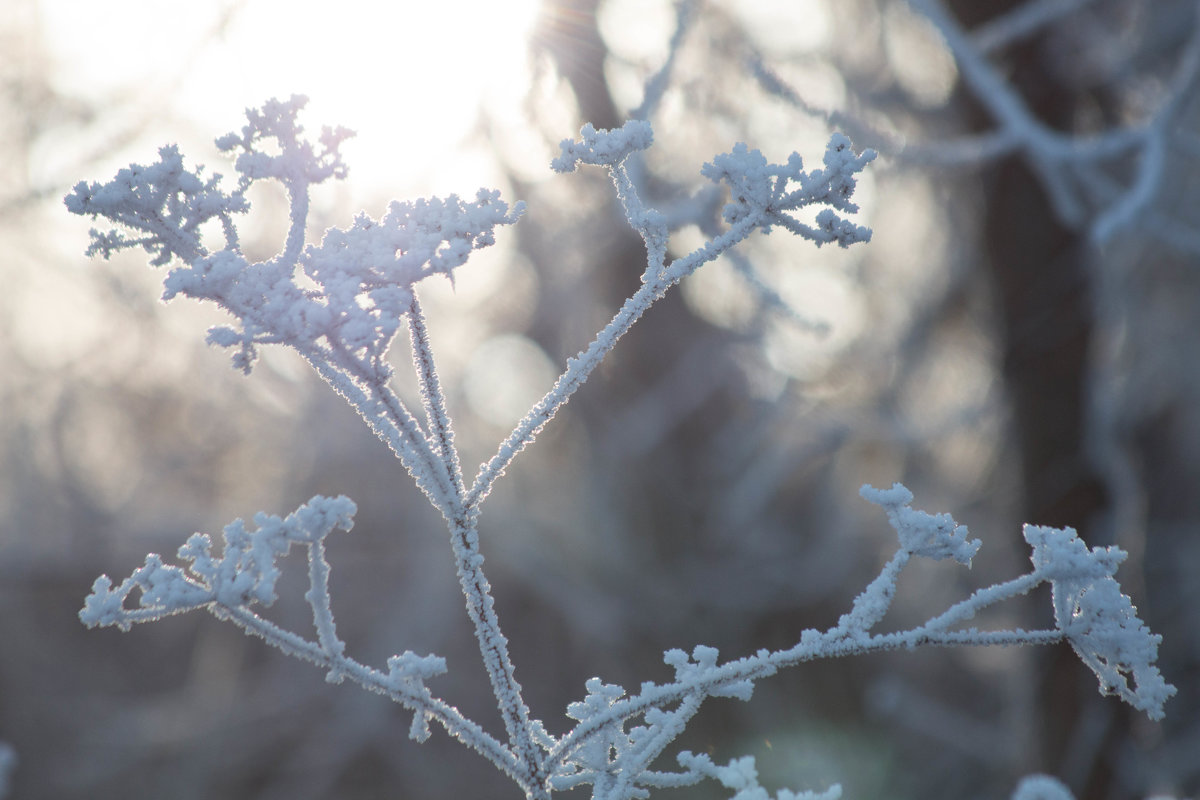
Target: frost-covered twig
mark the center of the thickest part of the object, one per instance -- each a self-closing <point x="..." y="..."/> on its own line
<point x="360" y="290"/>
<point x="1090" y="613"/>
<point x="762" y="195"/>
<point x="1104" y="638"/>
<point x="244" y="574"/>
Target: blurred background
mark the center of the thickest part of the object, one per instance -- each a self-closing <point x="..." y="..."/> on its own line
<point x="1017" y="343"/>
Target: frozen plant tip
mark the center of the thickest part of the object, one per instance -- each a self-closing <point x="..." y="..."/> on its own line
<point x="162" y="206"/>
<point x="921" y="533"/>
<point x="341" y="303"/>
<point x="764" y="191"/>
<point x="604" y="147"/>
<point x="1099" y="621"/>
<point x="244" y="574"/>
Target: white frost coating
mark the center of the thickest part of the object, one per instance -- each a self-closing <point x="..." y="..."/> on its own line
<point x="163" y="205"/>
<point x="243" y="575"/>
<point x="604" y="147"/>
<point x="763" y="191"/>
<point x="407" y="673"/>
<point x="705" y="661"/>
<point x="359" y="287"/>
<point x="1099" y="621"/>
<point x="933" y="536"/>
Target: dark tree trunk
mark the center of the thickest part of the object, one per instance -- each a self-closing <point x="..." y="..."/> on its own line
<point x="1042" y="283"/>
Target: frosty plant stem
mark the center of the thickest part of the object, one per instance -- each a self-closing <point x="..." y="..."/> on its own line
<point x="342" y="302"/>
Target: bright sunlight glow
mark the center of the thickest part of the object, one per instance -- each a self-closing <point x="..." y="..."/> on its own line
<point x="407" y="75"/>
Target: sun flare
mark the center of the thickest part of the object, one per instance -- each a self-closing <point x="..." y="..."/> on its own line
<point x="407" y="76"/>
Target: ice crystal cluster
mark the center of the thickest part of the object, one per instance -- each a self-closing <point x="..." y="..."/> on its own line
<point x="340" y="304"/>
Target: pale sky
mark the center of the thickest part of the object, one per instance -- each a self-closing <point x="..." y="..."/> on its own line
<point x="406" y="75"/>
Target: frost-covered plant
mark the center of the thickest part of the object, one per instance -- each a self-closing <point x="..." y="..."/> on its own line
<point x="340" y="304"/>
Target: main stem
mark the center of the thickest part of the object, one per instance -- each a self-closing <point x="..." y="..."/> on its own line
<point x="493" y="648"/>
<point x="464" y="537"/>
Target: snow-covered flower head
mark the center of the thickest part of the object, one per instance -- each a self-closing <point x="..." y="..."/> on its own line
<point x="363" y="274"/>
<point x="1099" y="621"/>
